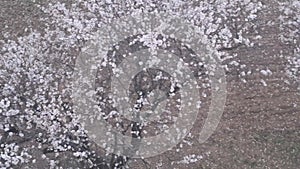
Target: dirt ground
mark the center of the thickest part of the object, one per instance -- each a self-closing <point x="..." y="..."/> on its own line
<point x="260" y="126"/>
